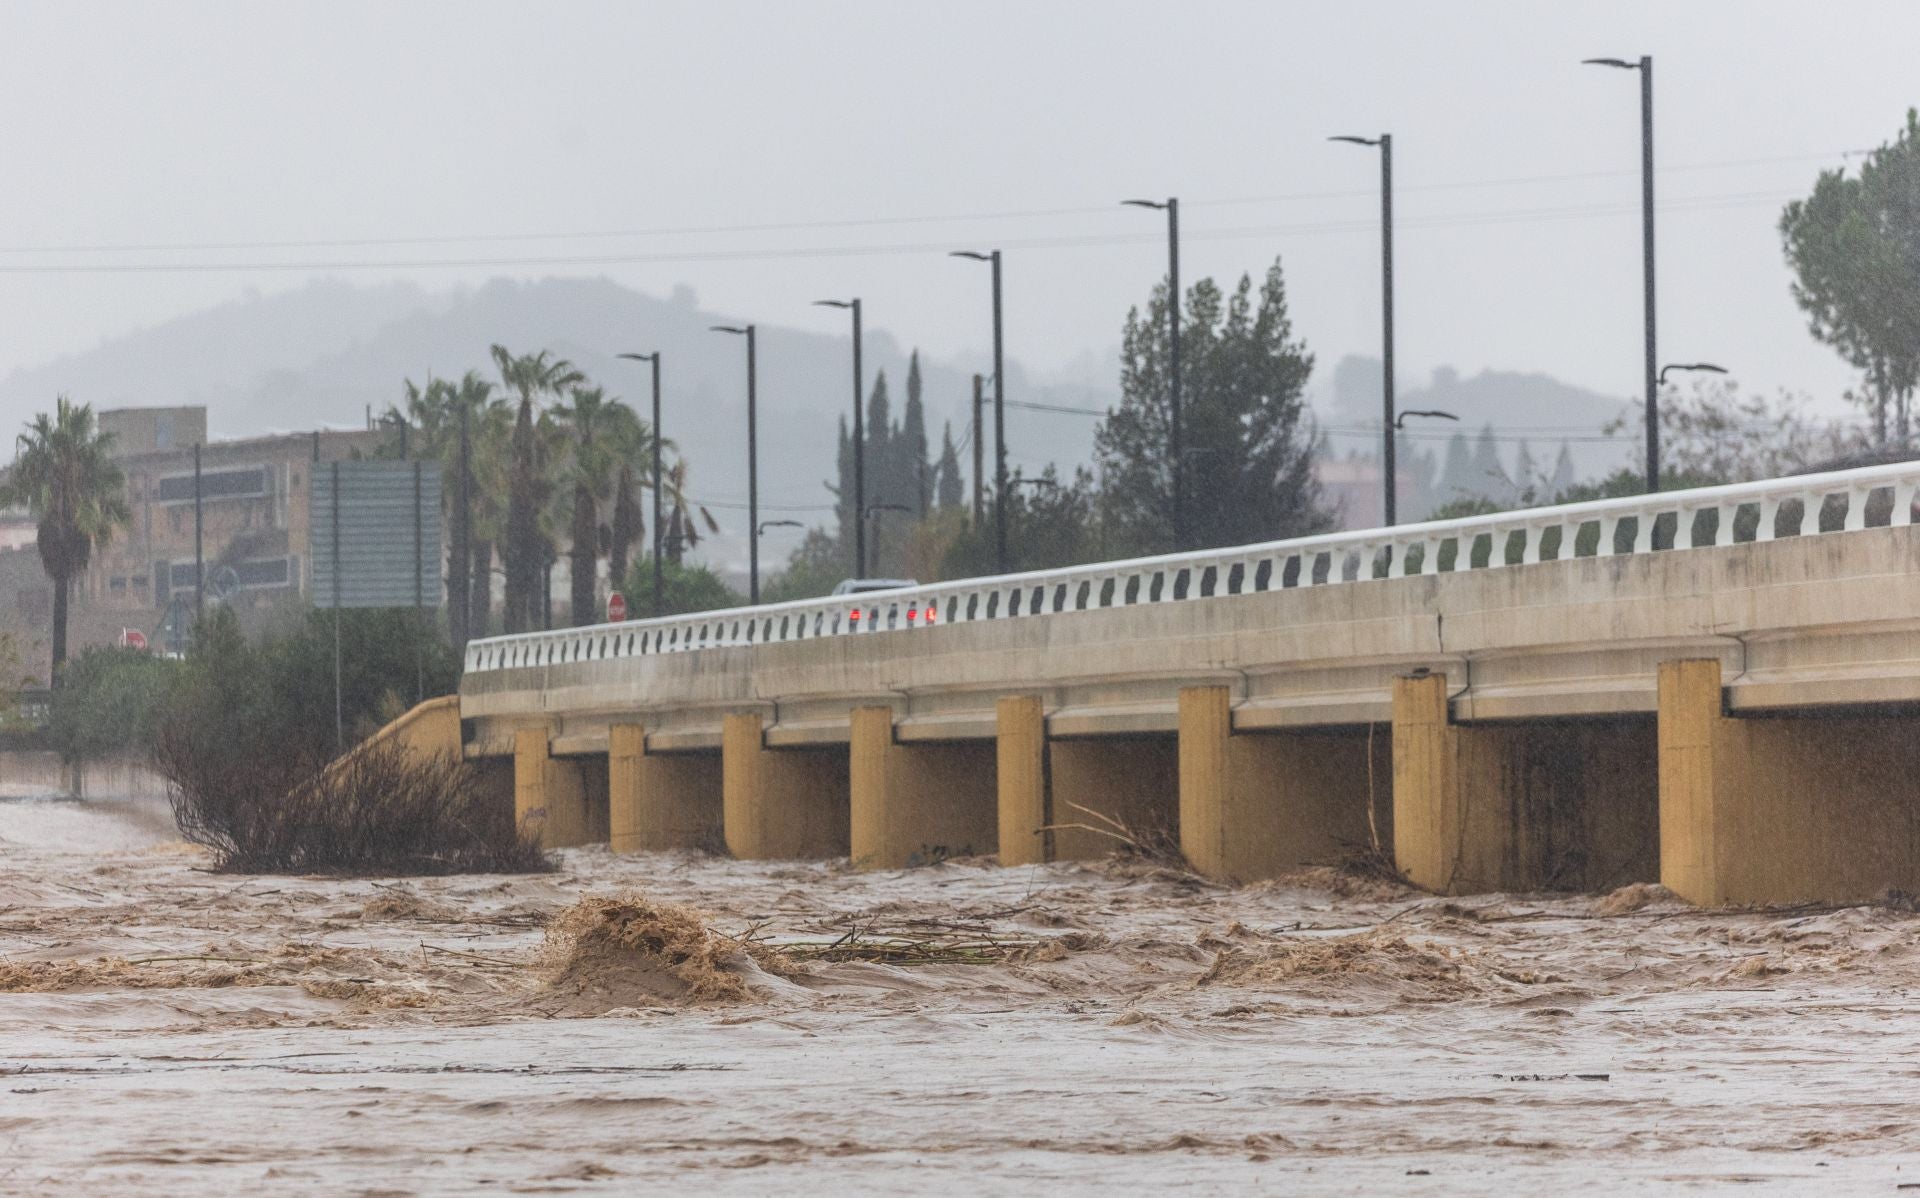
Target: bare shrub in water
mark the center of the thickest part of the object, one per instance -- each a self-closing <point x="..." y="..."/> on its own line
<point x="379" y="810"/>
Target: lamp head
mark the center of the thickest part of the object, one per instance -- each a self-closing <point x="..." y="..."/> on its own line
<point x="639" y="357"/>
<point x="1358" y="141"/>
<point x="1704" y="367"/>
<point x="1142" y="204"/>
<point x="1622" y="63"/>
<point x="976" y="255"/>
<point x="833" y="303"/>
<point x="727" y="328"/>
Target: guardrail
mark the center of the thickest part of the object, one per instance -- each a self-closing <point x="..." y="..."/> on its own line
<point x="1842" y="501"/>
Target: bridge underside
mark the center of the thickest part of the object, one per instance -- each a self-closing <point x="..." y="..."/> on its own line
<point x="1736" y="722"/>
<point x="1789" y="806"/>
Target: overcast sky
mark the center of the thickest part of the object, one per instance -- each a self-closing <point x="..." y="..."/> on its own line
<point x="881" y="134"/>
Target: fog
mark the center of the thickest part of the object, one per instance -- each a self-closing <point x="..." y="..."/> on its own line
<point x="831" y="149"/>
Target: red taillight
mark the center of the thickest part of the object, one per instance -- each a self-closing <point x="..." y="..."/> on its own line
<point x="913" y="613"/>
<point x="856" y="616"/>
<point x="930" y="611"/>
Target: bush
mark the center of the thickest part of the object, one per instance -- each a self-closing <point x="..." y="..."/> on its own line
<point x="377" y="811"/>
<point x="247" y="739"/>
<point x="110" y="701"/>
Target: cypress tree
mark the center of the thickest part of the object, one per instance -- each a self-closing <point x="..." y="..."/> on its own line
<point x="950" y="490"/>
<point x="912" y="448"/>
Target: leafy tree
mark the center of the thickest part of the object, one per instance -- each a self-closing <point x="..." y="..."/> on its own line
<point x="1246" y="432"/>
<point x="687" y="587"/>
<point x="62" y="474"/>
<point x="815" y="567"/>
<point x="1854" y="246"/>
<point x="1050" y="522"/>
<point x="1712" y="434"/>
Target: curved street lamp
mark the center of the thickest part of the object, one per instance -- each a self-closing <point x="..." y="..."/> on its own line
<point x="992" y="258"/>
<point x="753" y="463"/>
<point x="1645" y="67"/>
<point x="1172" y="208"/>
<point x="859" y="436"/>
<point x="659" y="582"/>
<point x="1704" y="367"/>
<point x="1389" y="473"/>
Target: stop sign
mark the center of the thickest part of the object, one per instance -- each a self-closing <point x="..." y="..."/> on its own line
<point x="616" y="608"/>
<point x="133" y="638"/>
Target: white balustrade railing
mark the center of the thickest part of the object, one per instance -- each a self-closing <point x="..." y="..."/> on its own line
<point x="1842" y="501"/>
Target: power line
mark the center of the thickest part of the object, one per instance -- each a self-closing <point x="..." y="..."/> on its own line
<point x="1683" y="204"/>
<point x="874" y="221"/>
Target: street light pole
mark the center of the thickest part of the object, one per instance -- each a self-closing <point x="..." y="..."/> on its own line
<point x="659" y="578"/>
<point x="979" y="455"/>
<point x="1389" y="467"/>
<point x="992" y="258"/>
<point x="1645" y="67"/>
<point x="859" y="438"/>
<point x="870" y="511"/>
<point x="1172" y="208"/>
<point x="753" y="465"/>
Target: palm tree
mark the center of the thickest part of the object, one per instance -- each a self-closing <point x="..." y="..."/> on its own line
<point x="531" y="375"/>
<point x="684" y="517"/>
<point x="435" y="412"/>
<point x="586" y="418"/>
<point x="62" y="474"/>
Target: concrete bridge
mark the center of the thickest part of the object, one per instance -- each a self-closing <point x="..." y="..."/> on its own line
<point x="1714" y="689"/>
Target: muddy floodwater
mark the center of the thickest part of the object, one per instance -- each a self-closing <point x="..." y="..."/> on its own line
<point x="1077" y="1028"/>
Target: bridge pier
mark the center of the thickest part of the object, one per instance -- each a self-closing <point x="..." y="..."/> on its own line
<point x="1782" y="809"/>
<point x="660" y="800"/>
<point x="1543" y="805"/>
<point x="781" y="803"/>
<point x="912" y="804"/>
<point x="1258" y="805"/>
<point x="1020" y="768"/>
<point x="562" y="800"/>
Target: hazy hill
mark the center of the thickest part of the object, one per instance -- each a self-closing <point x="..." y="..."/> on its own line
<point x="1536" y="408"/>
<point x="321" y="355"/>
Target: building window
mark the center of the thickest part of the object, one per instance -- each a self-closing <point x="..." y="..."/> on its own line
<point x="245" y="483"/>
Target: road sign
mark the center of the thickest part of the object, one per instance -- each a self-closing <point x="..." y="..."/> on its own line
<point x="132" y="638"/>
<point x="616" y="608"/>
<point x="374" y="534"/>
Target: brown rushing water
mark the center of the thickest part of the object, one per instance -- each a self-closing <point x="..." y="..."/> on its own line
<point x="163" y="1029"/>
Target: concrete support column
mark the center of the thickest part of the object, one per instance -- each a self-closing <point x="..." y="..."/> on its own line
<point x="1426" y="784"/>
<point x="1134" y="780"/>
<point x="660" y="801"/>
<point x="1020" y="767"/>
<point x="1522" y="806"/>
<point x="1782" y="809"/>
<point x="781" y="803"/>
<point x="550" y="794"/>
<point x="1263" y="804"/>
<point x="912" y="804"/>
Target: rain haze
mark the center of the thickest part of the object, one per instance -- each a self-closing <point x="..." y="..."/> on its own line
<point x="529" y="664"/>
<point x="769" y="155"/>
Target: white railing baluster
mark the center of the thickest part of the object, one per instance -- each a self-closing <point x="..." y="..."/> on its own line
<point x="1060" y="591"/>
